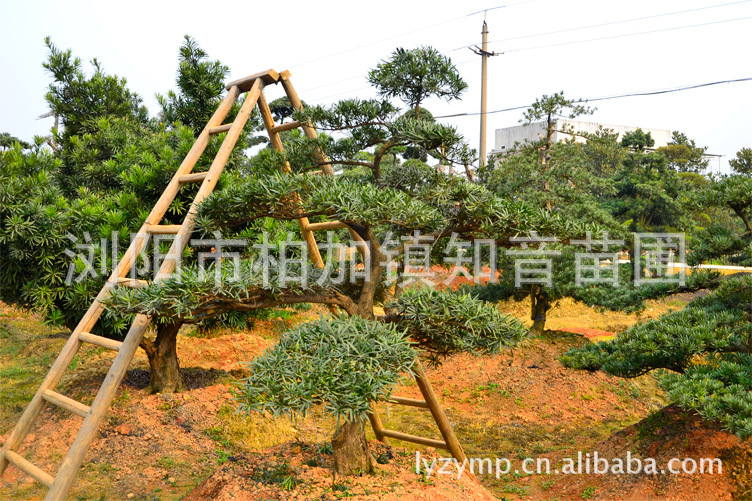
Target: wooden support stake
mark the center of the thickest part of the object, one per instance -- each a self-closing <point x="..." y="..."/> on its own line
<point x="276" y="142"/>
<point x="66" y="403"/>
<point x="328" y="225"/>
<point x="453" y="445"/>
<point x="220" y="129"/>
<point x="104" y="342"/>
<point x="193" y="178"/>
<point x="377" y="425"/>
<point x="410" y="402"/>
<point x="164" y="229"/>
<point x="308" y="129"/>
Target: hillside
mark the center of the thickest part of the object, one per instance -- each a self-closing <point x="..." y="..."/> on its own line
<point x="517" y="404"/>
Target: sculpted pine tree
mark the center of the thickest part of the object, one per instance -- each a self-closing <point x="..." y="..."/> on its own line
<point x="347" y="362"/>
<point x="415" y="75"/>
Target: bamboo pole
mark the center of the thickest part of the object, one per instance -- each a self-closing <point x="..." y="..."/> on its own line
<point x="377" y="425"/>
<point x="430" y="442"/>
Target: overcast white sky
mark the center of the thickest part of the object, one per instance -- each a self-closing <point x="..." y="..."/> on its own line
<point x="330" y="46"/>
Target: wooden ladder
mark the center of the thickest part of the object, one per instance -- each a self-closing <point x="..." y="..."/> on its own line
<point x="94" y="414"/>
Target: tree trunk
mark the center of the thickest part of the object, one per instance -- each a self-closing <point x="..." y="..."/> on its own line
<point x="469" y="173"/>
<point x="350" y="450"/>
<point x="538" y="308"/>
<point x="163" y="359"/>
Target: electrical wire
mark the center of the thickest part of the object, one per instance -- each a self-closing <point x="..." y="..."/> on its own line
<point x="561" y="44"/>
<point x="351" y="49"/>
<point x="610" y="23"/>
<point x="535" y="35"/>
<point x="618" y="96"/>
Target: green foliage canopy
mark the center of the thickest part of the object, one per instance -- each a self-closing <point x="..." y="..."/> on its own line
<point x="706" y="347"/>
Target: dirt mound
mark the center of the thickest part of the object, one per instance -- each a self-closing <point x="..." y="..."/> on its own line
<point x="518" y="404"/>
<point x="694" y="461"/>
<point x="299" y="470"/>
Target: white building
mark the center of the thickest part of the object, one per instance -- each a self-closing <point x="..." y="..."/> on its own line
<point x="508" y="136"/>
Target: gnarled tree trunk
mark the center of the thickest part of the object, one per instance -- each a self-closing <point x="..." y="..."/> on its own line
<point x="538" y="308"/>
<point x="163" y="359"/>
<point x="350" y="450"/>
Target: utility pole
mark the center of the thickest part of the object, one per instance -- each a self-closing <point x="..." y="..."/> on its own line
<point x="483" y="52"/>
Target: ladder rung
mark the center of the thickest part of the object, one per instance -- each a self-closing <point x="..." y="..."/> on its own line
<point x="414" y="439"/>
<point x="408" y="401"/>
<point x="111" y="344"/>
<point x="283" y="127"/>
<point x="328" y="225"/>
<point x="66" y="403"/>
<point x="132" y="282"/>
<point x="220" y="128"/>
<point x="192" y="178"/>
<point x="164" y="229"/>
<point x="40" y="475"/>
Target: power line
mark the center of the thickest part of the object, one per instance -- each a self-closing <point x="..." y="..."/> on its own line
<point x="619" y="96"/>
<point x="309" y="61"/>
<point x="627" y="35"/>
<point x="610" y="23"/>
<point x="541" y="46"/>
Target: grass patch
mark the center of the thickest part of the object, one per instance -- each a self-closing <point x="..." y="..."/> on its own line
<point x="280" y="474"/>
<point x="252" y="433"/>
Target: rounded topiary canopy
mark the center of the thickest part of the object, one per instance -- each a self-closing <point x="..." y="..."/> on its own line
<point x="341" y="363"/>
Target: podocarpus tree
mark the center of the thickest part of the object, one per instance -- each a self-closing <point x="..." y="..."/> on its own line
<point x="705" y="349"/>
<point x="615" y="185"/>
<point x="620" y="295"/>
<point x="415" y="75"/>
<point x="112" y="165"/>
<point x="560" y="179"/>
<point x="382" y="203"/>
<point x="370" y="203"/>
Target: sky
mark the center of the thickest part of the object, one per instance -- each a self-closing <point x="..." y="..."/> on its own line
<point x="586" y="48"/>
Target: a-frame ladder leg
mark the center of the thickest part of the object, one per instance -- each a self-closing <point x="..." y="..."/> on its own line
<point x="94" y="414"/>
<point x="437" y="411"/>
<point x="431" y="403"/>
<point x="101" y="404"/>
<point x="276" y="142"/>
<point x="99" y="407"/>
<point x="377" y="425"/>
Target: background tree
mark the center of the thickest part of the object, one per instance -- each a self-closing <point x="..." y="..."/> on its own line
<point x="201" y="87"/>
<point x="722" y="238"/>
<point x="684" y="155"/>
<point x="742" y="164"/>
<point x="7" y="141"/>
<point x="550" y="109"/>
<point x="112" y="165"/>
<point x="415" y="75"/>
<point x="617" y="186"/>
<point x="637" y="140"/>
